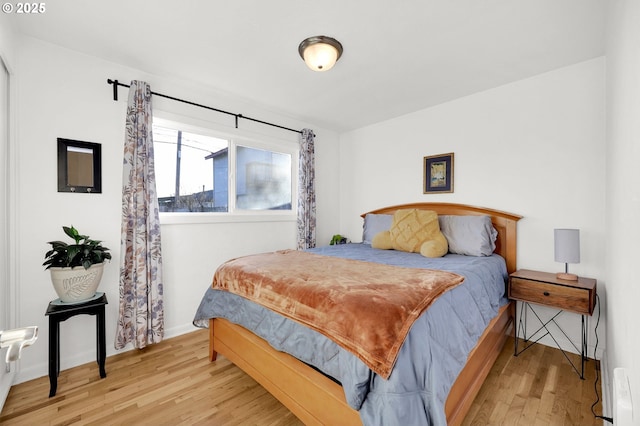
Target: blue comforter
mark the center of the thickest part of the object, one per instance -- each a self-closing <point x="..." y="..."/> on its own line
<point x="430" y="359"/>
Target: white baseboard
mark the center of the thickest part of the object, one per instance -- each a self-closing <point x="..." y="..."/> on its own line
<point x="42" y="369"/>
<point x="606" y="388"/>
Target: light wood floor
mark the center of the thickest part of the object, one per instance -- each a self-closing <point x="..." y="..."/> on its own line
<point x="538" y="387"/>
<point x="174" y="383"/>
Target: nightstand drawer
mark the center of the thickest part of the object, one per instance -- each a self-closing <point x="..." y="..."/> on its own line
<point x="562" y="297"/>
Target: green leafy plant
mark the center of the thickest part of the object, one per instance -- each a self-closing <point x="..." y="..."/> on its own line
<point x="338" y="239"/>
<point x="85" y="252"/>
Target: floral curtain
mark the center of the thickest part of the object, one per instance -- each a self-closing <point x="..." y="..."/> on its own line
<point x="141" y="316"/>
<point x="306" y="192"/>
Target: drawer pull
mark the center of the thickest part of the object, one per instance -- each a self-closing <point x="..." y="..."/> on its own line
<point x="546" y="293"/>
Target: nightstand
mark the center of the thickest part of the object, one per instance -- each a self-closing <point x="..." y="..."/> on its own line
<point x="543" y="288"/>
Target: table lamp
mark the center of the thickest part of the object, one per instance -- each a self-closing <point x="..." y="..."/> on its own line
<point x="567" y="250"/>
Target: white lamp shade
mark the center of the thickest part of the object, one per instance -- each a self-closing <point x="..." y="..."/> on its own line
<point x="320" y="56"/>
<point x="567" y="245"/>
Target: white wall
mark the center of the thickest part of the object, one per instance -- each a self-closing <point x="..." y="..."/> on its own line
<point x="7" y="42"/>
<point x="623" y="196"/>
<point x="65" y="94"/>
<point x="535" y="147"/>
<point x="7" y="155"/>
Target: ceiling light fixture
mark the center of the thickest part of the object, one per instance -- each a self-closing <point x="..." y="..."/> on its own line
<point x="320" y="53"/>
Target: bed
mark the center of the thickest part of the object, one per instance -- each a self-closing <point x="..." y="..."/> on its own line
<point x="317" y="397"/>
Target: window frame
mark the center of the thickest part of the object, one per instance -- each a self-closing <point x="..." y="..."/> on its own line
<point x="235" y="137"/>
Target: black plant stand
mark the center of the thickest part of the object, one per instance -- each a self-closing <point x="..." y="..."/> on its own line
<point x="62" y="312"/>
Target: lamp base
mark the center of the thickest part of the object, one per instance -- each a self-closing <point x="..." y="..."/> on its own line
<point x="566" y="276"/>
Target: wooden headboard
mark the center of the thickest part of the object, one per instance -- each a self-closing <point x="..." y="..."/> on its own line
<point x="505" y="224"/>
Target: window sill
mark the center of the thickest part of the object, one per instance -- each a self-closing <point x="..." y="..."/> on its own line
<point x="238" y="217"/>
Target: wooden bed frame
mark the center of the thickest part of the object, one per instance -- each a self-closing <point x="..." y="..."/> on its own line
<point x="317" y="400"/>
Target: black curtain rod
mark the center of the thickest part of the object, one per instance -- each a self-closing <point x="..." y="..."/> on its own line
<point x="116" y="83"/>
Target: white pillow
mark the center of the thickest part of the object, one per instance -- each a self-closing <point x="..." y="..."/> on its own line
<point x="375" y="223"/>
<point x="469" y="235"/>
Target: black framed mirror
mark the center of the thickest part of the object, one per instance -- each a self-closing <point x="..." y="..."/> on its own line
<point x="79" y="166"/>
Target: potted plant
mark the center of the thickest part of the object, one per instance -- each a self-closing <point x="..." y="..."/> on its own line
<point x="76" y="269"/>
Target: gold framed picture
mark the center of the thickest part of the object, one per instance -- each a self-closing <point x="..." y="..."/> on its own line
<point x="438" y="173"/>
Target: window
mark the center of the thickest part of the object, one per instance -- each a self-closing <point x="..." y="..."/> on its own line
<point x="185" y="170"/>
<point x="264" y="179"/>
<point x="198" y="171"/>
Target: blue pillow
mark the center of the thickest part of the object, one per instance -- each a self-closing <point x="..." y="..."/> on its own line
<point x="469" y="235"/>
<point x="374" y="224"/>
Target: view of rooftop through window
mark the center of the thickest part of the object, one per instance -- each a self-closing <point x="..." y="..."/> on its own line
<point x="193" y="174"/>
<point x="185" y="170"/>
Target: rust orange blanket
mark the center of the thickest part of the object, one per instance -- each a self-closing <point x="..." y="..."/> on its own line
<point x="367" y="308"/>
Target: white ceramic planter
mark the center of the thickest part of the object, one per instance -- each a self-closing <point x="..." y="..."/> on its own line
<point x="76" y="284"/>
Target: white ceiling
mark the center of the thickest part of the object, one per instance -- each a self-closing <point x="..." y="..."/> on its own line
<point x="399" y="56"/>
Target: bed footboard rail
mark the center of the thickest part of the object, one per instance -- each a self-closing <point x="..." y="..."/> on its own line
<point x="311" y="396"/>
